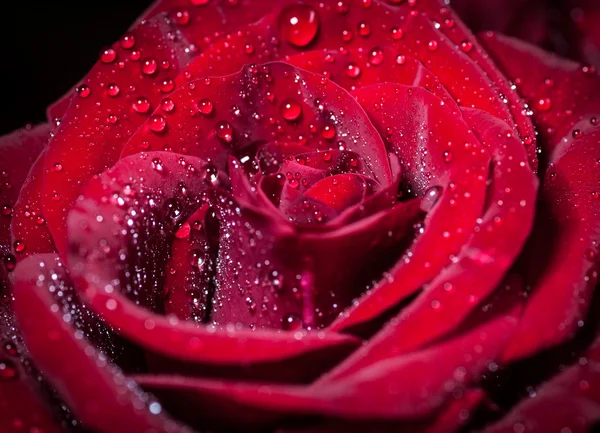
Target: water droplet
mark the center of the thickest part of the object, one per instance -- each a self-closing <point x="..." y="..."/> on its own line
<point x="19" y="246"/>
<point x="166" y="85"/>
<point x="544" y="104"/>
<point x="299" y="24"/>
<point x="397" y="33"/>
<point x="431" y="197"/>
<point x="113" y="90"/>
<point x="127" y="41"/>
<point x="8" y="370"/>
<point x="173" y="210"/>
<point x="376" y="56"/>
<point x="6" y="210"/>
<point x="167" y="105"/>
<point x="141" y="105"/>
<point x="158" y="123"/>
<point x="181" y="17"/>
<point x="364" y="29"/>
<point x="224" y="131"/>
<point x="328" y="132"/>
<point x="197" y="258"/>
<point x="466" y="46"/>
<point x="10" y="348"/>
<point x="577" y="134"/>
<point x="83" y="91"/>
<point x="157" y="165"/>
<point x="290" y="110"/>
<point x="108" y="55"/>
<point x="10" y="262"/>
<point x="291" y="322"/>
<point x="401" y="60"/>
<point x="447" y="155"/>
<point x="205" y="106"/>
<point x="432" y="45"/>
<point x="149" y="66"/>
<point x="353" y="70"/>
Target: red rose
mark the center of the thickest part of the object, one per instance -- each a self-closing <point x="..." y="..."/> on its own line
<point x="306" y="216"/>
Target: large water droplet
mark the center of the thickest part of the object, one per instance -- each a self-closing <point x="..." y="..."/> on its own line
<point x="431" y="197"/>
<point x="290" y="110"/>
<point x="299" y="24"/>
<point x="141" y="105"/>
<point x="224" y="131"/>
<point x="8" y="370"/>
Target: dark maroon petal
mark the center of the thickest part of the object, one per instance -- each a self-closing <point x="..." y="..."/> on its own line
<point x="568" y="402"/>
<point x="407" y="387"/>
<point x="90" y="385"/>
<point x="237" y="113"/>
<point x="450" y="168"/>
<point x="562" y="284"/>
<point x="560" y="92"/>
<point x="21" y="405"/>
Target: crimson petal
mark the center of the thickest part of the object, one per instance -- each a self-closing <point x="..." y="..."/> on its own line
<point x="236" y="113"/>
<point x="440" y="157"/>
<point x="89" y="383"/>
<point x="407" y="387"/>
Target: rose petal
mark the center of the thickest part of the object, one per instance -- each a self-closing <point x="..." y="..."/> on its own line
<point x="214" y="130"/>
<point x="90" y="385"/>
<point x="560" y="92"/>
<point x="441" y="158"/>
<point x="567" y="402"/>
<point x="423" y="386"/>
<point x="29" y="228"/>
<point x="89" y="138"/>
<point x="390" y="67"/>
<point x="562" y="284"/>
<point x="419" y="39"/>
<point x="157" y="177"/>
<point x="21" y="405"/>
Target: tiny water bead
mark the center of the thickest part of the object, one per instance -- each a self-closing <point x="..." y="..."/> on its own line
<point x="181" y="17"/>
<point x="167" y="105"/>
<point x="83" y="91"/>
<point x="397" y="33"/>
<point x="10" y="348"/>
<point x="431" y="197"/>
<point x="544" y="104"/>
<point x="205" y="106"/>
<point x="127" y="41"/>
<point x="149" y="66"/>
<point x="10" y="262"/>
<point x="108" y="55"/>
<point x="19" y="246"/>
<point x="466" y="46"/>
<point x="299" y="25"/>
<point x="432" y="46"/>
<point x="353" y="70"/>
<point x="8" y="370"/>
<point x="364" y="29"/>
<point x="290" y="110"/>
<point x="113" y="90"/>
<point x="158" y="123"/>
<point x="291" y="322"/>
<point x="224" y="131"/>
<point x="376" y="56"/>
<point x="141" y="105"/>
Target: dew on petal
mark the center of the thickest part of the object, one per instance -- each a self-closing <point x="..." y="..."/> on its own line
<point x="299" y="24"/>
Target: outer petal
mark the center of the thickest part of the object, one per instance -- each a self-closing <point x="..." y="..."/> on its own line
<point x="91" y="386"/>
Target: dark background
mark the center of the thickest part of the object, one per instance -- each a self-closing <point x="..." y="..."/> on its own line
<point x="47" y="46"/>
